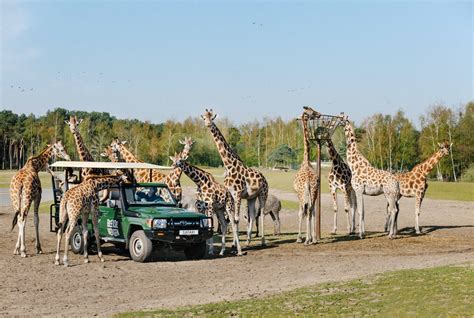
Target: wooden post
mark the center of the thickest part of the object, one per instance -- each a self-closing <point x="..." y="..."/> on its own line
<point x="318" y="202"/>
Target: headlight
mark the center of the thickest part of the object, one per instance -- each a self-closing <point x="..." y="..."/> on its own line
<point x="160" y="223"/>
<point x="206" y="222"/>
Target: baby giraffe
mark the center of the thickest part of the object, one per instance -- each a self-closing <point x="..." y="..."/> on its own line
<point x="80" y="201"/>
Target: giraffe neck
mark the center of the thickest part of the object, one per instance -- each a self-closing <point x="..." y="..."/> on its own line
<point x="198" y="176"/>
<point x="83" y="152"/>
<point x="306" y="154"/>
<point x="352" y="153"/>
<point x="333" y="154"/>
<point x="101" y="183"/>
<point x="40" y="161"/>
<point x="228" y="155"/>
<point x="426" y="166"/>
<point x="127" y="155"/>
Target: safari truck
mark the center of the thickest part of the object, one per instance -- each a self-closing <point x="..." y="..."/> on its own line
<point x="136" y="217"/>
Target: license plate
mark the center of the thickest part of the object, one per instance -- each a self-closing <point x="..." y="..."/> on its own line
<point x="188" y="232"/>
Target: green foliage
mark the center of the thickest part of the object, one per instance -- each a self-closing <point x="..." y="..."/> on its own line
<point x="390" y="142"/>
<point x="283" y="155"/>
<point x="443" y="291"/>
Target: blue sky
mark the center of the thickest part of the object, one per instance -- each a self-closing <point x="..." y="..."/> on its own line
<point x="247" y="59"/>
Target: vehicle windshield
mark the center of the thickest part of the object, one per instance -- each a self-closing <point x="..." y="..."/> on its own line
<point x="148" y="195"/>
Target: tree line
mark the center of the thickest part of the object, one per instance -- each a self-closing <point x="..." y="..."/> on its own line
<point x="389" y="141"/>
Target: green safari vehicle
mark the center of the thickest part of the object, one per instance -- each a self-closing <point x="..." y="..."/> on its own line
<point x="137" y="217"/>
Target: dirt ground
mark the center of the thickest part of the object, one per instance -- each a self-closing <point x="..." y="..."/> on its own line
<point x="35" y="286"/>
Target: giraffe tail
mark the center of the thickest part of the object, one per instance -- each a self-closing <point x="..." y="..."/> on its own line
<point x="307" y="194"/>
<point x="15" y="219"/>
<point x="62" y="214"/>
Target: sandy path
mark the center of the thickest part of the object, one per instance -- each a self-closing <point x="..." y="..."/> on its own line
<point x="35" y="286"/>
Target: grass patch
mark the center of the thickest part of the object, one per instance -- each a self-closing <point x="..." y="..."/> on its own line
<point x="290" y="205"/>
<point x="461" y="191"/>
<point x="436" y="292"/>
<point x="7" y="175"/>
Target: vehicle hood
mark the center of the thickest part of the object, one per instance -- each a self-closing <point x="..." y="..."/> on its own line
<point x="165" y="212"/>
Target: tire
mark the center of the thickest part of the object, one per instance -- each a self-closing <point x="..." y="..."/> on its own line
<point x="77" y="240"/>
<point x="196" y="251"/>
<point x="140" y="247"/>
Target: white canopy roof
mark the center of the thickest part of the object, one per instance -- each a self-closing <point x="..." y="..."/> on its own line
<point x="107" y="165"/>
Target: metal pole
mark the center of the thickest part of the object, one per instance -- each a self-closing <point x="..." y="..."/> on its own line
<point x="318" y="202"/>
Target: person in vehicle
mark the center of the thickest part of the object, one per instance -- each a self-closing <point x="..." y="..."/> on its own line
<point x="150" y="196"/>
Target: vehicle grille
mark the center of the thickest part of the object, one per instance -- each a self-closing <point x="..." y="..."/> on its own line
<point x="185" y="223"/>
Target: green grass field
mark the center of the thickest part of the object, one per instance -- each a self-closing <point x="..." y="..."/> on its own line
<point x="435" y="292"/>
<point x="462" y="191"/>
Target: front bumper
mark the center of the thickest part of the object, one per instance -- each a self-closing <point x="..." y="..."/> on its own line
<point x="172" y="236"/>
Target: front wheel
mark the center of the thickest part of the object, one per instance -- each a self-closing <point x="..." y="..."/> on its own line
<point x="196" y="251"/>
<point x="140" y="246"/>
<point x="77" y="240"/>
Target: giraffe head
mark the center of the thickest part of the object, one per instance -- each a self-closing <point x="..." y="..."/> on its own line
<point x="310" y="113"/>
<point x="59" y="151"/>
<point x="208" y="117"/>
<point x="178" y="160"/>
<point x="187" y="142"/>
<point x="117" y="145"/>
<point x="73" y="123"/>
<point x="444" y="147"/>
<point x="109" y="153"/>
<point x="348" y="131"/>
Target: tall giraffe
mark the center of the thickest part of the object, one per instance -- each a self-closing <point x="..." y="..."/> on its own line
<point x="242" y="182"/>
<point x="340" y="178"/>
<point x="81" y="201"/>
<point x="172" y="180"/>
<point x="84" y="154"/>
<point x="25" y="188"/>
<point x="306" y="184"/>
<point x="414" y="183"/>
<point x="211" y="197"/>
<point x="370" y="181"/>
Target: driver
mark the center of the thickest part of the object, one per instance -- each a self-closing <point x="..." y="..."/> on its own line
<point x="151" y="196"/>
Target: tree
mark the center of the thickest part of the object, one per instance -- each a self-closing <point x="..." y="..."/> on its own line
<point x="283" y="155"/>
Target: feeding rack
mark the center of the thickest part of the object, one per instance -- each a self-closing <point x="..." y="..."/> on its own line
<point x="320" y="129"/>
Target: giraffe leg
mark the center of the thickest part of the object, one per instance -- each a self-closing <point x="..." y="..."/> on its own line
<point x="347" y="207"/>
<point x="276" y="223"/>
<point x="70" y="228"/>
<point x="85" y="236"/>
<point x="95" y="224"/>
<point x="360" y="211"/>
<point x="21" y="226"/>
<point x="419" y="200"/>
<point x="222" y="221"/>
<point x="235" y="234"/>
<point x="210" y="241"/>
<point x="334" y="207"/>
<point x="353" y="202"/>
<point x="393" y="217"/>
<point x="36" y="205"/>
<point x="299" y="238"/>
<point x="308" y="226"/>
<point x="262" y="200"/>
<point x="59" y="236"/>
<point x="251" y="220"/>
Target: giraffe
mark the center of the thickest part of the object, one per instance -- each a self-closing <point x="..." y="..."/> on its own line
<point x="306" y="185"/>
<point x="414" y="183"/>
<point x="110" y="154"/>
<point x="81" y="201"/>
<point x="84" y="154"/>
<point x="25" y="188"/>
<point x="242" y="182"/>
<point x="211" y="197"/>
<point x="340" y="178"/>
<point x="173" y="178"/>
<point x="144" y="175"/>
<point x="370" y="181"/>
